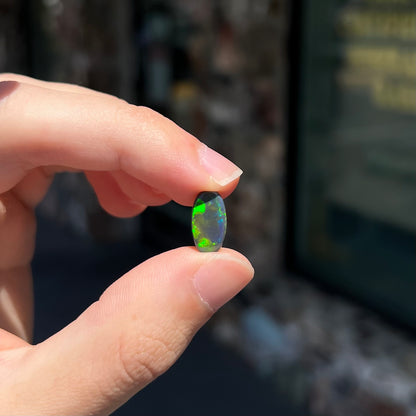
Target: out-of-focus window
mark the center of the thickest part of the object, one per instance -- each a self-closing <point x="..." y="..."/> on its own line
<point x="354" y="221"/>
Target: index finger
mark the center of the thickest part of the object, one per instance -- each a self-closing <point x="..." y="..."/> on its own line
<point x="48" y="127"/>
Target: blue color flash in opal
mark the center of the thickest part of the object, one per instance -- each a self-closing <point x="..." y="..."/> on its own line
<point x="209" y="221"/>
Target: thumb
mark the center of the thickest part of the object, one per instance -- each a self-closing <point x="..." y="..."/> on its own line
<point x="131" y="335"/>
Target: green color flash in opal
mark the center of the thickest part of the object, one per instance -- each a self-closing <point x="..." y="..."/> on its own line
<point x="209" y="221"/>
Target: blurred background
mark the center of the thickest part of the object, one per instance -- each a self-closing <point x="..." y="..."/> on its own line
<point x="316" y="102"/>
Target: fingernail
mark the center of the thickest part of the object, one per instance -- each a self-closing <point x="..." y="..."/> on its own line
<point x="221" y="279"/>
<point x="221" y="170"/>
<point x="7" y="87"/>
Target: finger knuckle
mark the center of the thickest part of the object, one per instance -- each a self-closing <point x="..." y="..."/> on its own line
<point x="142" y="360"/>
<point x="129" y="114"/>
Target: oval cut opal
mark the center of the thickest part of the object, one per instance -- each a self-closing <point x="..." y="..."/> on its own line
<point x="209" y="221"/>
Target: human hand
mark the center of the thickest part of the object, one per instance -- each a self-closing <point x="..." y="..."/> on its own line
<point x="133" y="157"/>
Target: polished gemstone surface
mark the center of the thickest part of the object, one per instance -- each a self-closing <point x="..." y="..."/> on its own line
<point x="209" y="221"/>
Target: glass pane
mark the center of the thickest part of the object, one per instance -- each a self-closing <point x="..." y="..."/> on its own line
<point x="356" y="185"/>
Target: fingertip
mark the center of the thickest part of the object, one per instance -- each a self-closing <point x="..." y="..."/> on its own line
<point x="222" y="276"/>
<point x="236" y="256"/>
<point x="111" y="198"/>
<point x="217" y="276"/>
<point x="221" y="170"/>
<point x="127" y="210"/>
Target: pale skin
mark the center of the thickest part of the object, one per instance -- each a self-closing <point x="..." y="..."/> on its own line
<point x="133" y="158"/>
